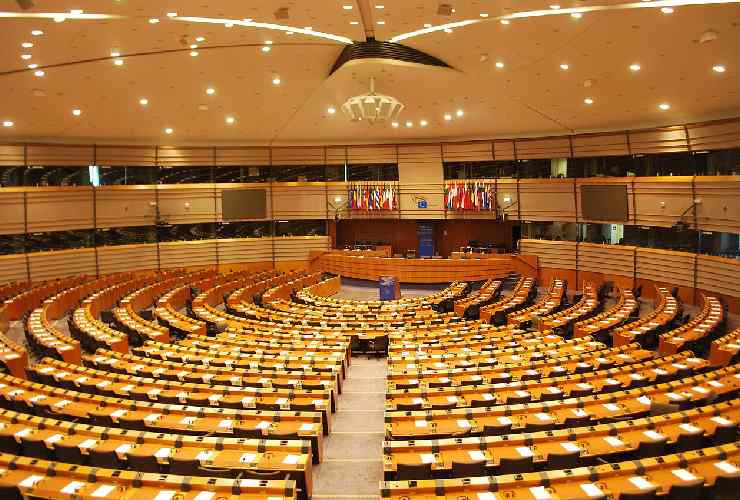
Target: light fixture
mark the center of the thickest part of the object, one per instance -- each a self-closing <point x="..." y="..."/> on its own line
<point x="331" y="110"/>
<point x="8" y="124"/>
<point x="153" y="20"/>
<point x="77" y="112"/>
<point x="230" y="120"/>
<point x="719" y="68"/>
<point x="37" y="32"/>
<point x="27" y="45"/>
<point x="25" y="57"/>
<point x="168" y="131"/>
<point x="448" y="30"/>
<point x="380" y="6"/>
<point x="33" y="66"/>
<point x="118" y="62"/>
<point x="144" y="101"/>
<point x="172" y="14"/>
<point x="60" y="18"/>
<point x="423" y="123"/>
<point x="409" y="124"/>
<point x="664" y="106"/>
<point x="268" y="42"/>
<point x="347" y="7"/>
<point x="448" y="117"/>
<point x="635" y="67"/>
<point x="276" y="80"/>
<point x="210" y="91"/>
<point x="667" y="10"/>
<point x="193" y="53"/>
<point x="576" y="15"/>
<point x="194" y="46"/>
<point x="76" y="12"/>
<point x="115" y="53"/>
<point x="427" y="25"/>
<point x="266" y="48"/>
<point x="372" y="107"/>
<point x="39" y="73"/>
<point x="555" y="7"/>
<point x="395" y="124"/>
<point x="499" y="64"/>
<point x="459" y="113"/>
<point x="564" y="66"/>
<point x="483" y="15"/>
<point x="588" y="101"/>
<point x="505" y="21"/>
<point x="354" y="23"/>
<point x="381" y="23"/>
<point x="200" y="39"/>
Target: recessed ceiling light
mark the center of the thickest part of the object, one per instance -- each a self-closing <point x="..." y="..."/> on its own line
<point x="483" y="15"/>
<point x="115" y="53"/>
<point x="423" y="123"/>
<point x="268" y="42"/>
<point x="39" y="73"/>
<point x="144" y="101"/>
<point x="59" y="18"/>
<point x="381" y="22"/>
<point x="394" y="124"/>
<point x="33" y="66"/>
<point x="77" y="112"/>
<point x="427" y="25"/>
<point x="576" y="15"/>
<point x="667" y="10"/>
<point x="248" y="19"/>
<point x="200" y="39"/>
<point x="27" y="45"/>
<point x="564" y="66"/>
<point x="193" y="53"/>
<point x="228" y="25"/>
<point x="719" y="68"/>
<point x="276" y="80"/>
<point x="76" y="12"/>
<point x="555" y="7"/>
<point x="266" y="48"/>
<point x="25" y="57"/>
<point x="288" y="32"/>
<point x="8" y="124"/>
<point x="588" y="100"/>
<point x="354" y="22"/>
<point x="448" y="117"/>
<point x="331" y="110"/>
<point x="409" y="124"/>
<point x="308" y="28"/>
<point x="194" y="46"/>
<point x="380" y="6"/>
<point x="448" y="30"/>
<point x="230" y="120"/>
<point x="505" y="21"/>
<point x="210" y="91"/>
<point x="172" y="14"/>
<point x="118" y="62"/>
<point x="635" y="67"/>
<point x="499" y="64"/>
<point x="459" y="113"/>
<point x="664" y="106"/>
<point x="153" y="20"/>
<point x="347" y="7"/>
<point x="168" y="131"/>
<point x="37" y="32"/>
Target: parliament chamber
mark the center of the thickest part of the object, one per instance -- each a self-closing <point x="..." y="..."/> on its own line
<point x="360" y="250"/>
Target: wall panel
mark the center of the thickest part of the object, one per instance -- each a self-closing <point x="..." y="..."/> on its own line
<point x="718" y="275"/>
<point x="244" y="250"/>
<point x="48" y="265"/>
<point x="660" y="201"/>
<point x="129" y="206"/>
<point x="126" y="156"/>
<point x="12" y="155"/>
<point x="607" y="144"/>
<point x="553" y="147"/>
<point x="59" y="209"/>
<point x="720" y="203"/>
<point x="302" y="200"/>
<point x="187" y="254"/>
<point x="13" y="214"/>
<point x="168" y="156"/>
<point x="298" y="156"/>
<point x="504" y="150"/>
<point x="468" y="151"/>
<point x="554" y="254"/>
<point x="660" y="140"/>
<point x="50" y="155"/>
<point x="297" y="248"/>
<point x="13" y="268"/>
<point x="723" y="134"/>
<point x="547" y="199"/>
<point x="608" y="259"/>
<point x="371" y="154"/>
<point x="188" y="204"/>
<point x="242" y="156"/>
<point x="664" y="266"/>
<point x="121" y="258"/>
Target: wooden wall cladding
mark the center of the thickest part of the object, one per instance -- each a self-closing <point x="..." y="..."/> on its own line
<point x="244" y="250"/>
<point x="121" y="258"/>
<point x="547" y="200"/>
<point x="720" y="203"/>
<point x="297" y="248"/>
<point x="59" y="209"/>
<point x="13" y="268"/>
<point x="11" y="156"/>
<point x="362" y="155"/>
<point x="13" y="212"/>
<point x="185" y="157"/>
<point x="468" y="151"/>
<point x="724" y="134"/>
<point x="60" y="155"/>
<point x="660" y="201"/>
<point x="48" y="265"/>
<point x="609" y="259"/>
<point x="300" y="200"/>
<point x="552" y="147"/>
<point x="663" y="266"/>
<point x="188" y="204"/>
<point x="424" y="154"/>
<point x="555" y="254"/>
<point x="606" y="144"/>
<point x="718" y="274"/>
<point x="126" y="156"/>
<point x="504" y="149"/>
<point x="660" y="140"/>
<point x="298" y="156"/>
<point x="129" y="206"/>
<point x="238" y="157"/>
<point x="187" y="254"/>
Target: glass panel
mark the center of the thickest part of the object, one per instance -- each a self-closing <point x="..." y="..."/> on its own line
<point x="721" y="244"/>
<point x="300" y="228"/>
<point x="241" y="174"/>
<point x="11" y="176"/>
<point x="298" y="173"/>
<point x="185" y="175"/>
<point x="388" y="172"/>
<point x="126" y="236"/>
<point x="724" y="162"/>
<point x="248" y="229"/>
<point x="120" y="176"/>
<point x="186" y="232"/>
<point x="12" y="243"/>
<point x="56" y="176"/>
<point x="558" y="231"/>
<point x="60" y="240"/>
<point x="685" y="240"/>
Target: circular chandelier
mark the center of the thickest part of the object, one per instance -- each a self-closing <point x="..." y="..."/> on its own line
<point x="372" y="108"/>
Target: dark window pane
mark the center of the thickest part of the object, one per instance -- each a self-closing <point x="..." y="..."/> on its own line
<point x="60" y="240"/>
<point x="185" y="175"/>
<point x="300" y="228"/>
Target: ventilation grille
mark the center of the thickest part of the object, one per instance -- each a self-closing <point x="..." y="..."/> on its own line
<point x="373" y="49"/>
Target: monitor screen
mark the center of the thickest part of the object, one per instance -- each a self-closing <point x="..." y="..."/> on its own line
<point x="240" y="204"/>
<point x="604" y="202"/>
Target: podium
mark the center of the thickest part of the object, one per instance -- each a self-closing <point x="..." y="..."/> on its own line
<point x="389" y="288"/>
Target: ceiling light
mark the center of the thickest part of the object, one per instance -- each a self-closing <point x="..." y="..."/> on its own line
<point x="193" y="53"/>
<point x="37" y="32"/>
<point x="564" y="66"/>
<point x="8" y="124"/>
<point x="588" y="101"/>
<point x="499" y="64"/>
<point x="483" y="15"/>
<point x="555" y="7"/>
<point x="210" y="91"/>
<point x="266" y="48"/>
<point x="268" y="42"/>
<point x="719" y="68"/>
<point x="168" y="131"/>
<point x="347" y="7"/>
<point x="39" y="73"/>
<point x="505" y="21"/>
<point x="459" y="113"/>
<point x="288" y="32"/>
<point x="381" y="22"/>
<point x="667" y="10"/>
<point x="230" y="120"/>
<point x="200" y="39"/>
<point x="308" y="28"/>
<point x="194" y="46"/>
<point x="448" y="117"/>
<point x="228" y="25"/>
<point x="395" y="124"/>
<point x="576" y="15"/>
<point x="76" y="12"/>
<point x="144" y="101"/>
<point x="153" y="20"/>
<point x="25" y="57"/>
<point x="248" y="19"/>
<point x="664" y="106"/>
<point x="118" y="62"/>
<point x="427" y="25"/>
<point x="77" y="112"/>
<point x="172" y="14"/>
<point x="59" y="18"/>
<point x="380" y="6"/>
<point x="354" y="22"/>
<point x="635" y="67"/>
<point x="27" y="45"/>
<point x="331" y="110"/>
<point x="372" y="107"/>
<point x="33" y="66"/>
<point x="276" y="80"/>
<point x="448" y="30"/>
<point x="423" y="123"/>
<point x="409" y="124"/>
<point x="115" y="54"/>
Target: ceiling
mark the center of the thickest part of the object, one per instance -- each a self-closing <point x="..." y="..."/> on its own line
<point x="530" y="96"/>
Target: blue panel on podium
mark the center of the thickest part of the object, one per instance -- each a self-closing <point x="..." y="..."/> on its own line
<point x="389" y="287"/>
